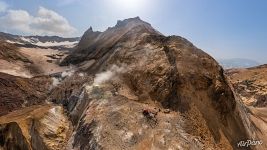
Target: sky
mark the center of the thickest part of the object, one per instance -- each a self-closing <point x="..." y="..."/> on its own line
<point x="224" y="29"/>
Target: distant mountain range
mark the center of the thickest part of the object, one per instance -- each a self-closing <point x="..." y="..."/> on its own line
<point x="237" y="63"/>
<point x="40" y="41"/>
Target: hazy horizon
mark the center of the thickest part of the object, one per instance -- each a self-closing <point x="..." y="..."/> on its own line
<point x="224" y="29"/>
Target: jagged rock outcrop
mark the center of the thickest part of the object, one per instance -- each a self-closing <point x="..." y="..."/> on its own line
<point x="71" y="94"/>
<point x="88" y="37"/>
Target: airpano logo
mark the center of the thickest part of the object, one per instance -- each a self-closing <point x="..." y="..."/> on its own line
<point x="248" y="143"/>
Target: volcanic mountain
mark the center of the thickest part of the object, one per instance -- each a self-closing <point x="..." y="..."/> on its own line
<point x="133" y="88"/>
<point x="152" y="71"/>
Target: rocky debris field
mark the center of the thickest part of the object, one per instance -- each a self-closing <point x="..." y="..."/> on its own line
<point x="250" y="84"/>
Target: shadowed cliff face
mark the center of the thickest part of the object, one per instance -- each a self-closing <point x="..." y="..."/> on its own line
<point x="12" y="138"/>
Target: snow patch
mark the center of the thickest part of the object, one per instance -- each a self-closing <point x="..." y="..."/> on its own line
<point x="64" y="43"/>
<point x="13" y="42"/>
<point x="67" y="73"/>
<point x="36" y="41"/>
<point x="55" y="82"/>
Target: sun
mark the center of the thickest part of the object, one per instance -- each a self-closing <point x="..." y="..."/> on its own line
<point x="130" y="5"/>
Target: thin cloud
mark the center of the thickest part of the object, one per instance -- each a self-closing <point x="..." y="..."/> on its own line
<point x="3" y="6"/>
<point x="45" y="22"/>
<point x="66" y="2"/>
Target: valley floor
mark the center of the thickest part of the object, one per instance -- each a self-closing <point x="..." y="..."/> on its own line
<point x="44" y="62"/>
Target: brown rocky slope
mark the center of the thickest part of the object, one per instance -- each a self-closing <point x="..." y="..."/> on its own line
<point x="9" y="52"/>
<point x="18" y="92"/>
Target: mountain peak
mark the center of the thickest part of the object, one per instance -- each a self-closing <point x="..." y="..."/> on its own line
<point x="135" y="20"/>
<point x="90" y="30"/>
<point x="89" y="35"/>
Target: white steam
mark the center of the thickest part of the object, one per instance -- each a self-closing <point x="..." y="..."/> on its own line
<point x="55" y="82"/>
<point x="107" y="75"/>
<point x="67" y="73"/>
